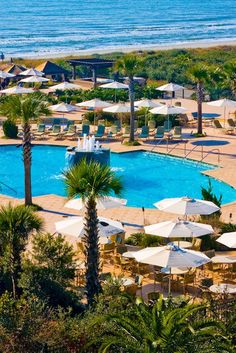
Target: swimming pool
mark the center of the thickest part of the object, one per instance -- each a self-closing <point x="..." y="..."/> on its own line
<point x="147" y="177"/>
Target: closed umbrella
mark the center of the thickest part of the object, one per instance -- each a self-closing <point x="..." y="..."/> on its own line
<point x="103" y="203"/>
<point x="32" y="72"/>
<point x="223" y="103"/>
<point x="228" y="239"/>
<point x="115" y="85"/>
<point x="74" y="226"/>
<point x="34" y="79"/>
<point x="171" y="256"/>
<point x="17" y="90"/>
<point x="187" y="206"/>
<point x="179" y="229"/>
<point x="168" y="110"/>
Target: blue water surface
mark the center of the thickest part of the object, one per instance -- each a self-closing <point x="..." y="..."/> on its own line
<point x="147" y="177"/>
<point x="50" y="26"/>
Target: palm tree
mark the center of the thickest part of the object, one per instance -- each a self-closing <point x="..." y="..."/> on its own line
<point x="163" y="328"/>
<point x="200" y="75"/>
<point x="129" y="65"/>
<point x="91" y="180"/>
<point x="230" y="76"/>
<point x="25" y="108"/>
<point x="16" y="224"/>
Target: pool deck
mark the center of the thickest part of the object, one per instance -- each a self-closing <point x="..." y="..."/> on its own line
<point x="133" y="218"/>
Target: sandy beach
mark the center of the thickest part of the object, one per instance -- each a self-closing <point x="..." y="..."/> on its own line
<point x="131" y="48"/>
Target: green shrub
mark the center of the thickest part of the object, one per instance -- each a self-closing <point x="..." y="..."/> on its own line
<point x="10" y="129"/>
<point x="227" y="228"/>
<point x="144" y="240"/>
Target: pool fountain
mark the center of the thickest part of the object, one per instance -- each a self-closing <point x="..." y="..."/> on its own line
<point x="87" y="148"/>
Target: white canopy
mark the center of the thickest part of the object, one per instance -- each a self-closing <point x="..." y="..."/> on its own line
<point x="147" y="103"/>
<point x="115" y="85"/>
<point x="34" y="79"/>
<point x="17" y="90"/>
<point x="102" y="203"/>
<point x="224" y="103"/>
<point x="63" y="108"/>
<point x="170" y="87"/>
<point x="171" y="256"/>
<point x="94" y="103"/>
<point x="32" y="72"/>
<point x="118" y="108"/>
<point x="228" y="239"/>
<point x="179" y="229"/>
<point x="187" y="206"/>
<point x="4" y="74"/>
<point x="168" y="110"/>
<point x="64" y="86"/>
<point x="74" y="226"/>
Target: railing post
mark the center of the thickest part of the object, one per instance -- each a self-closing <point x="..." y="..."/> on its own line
<point x="185" y="146"/>
<point x="202" y="152"/>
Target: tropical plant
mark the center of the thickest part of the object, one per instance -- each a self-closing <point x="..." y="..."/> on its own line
<point x="200" y="75"/>
<point x="26" y="109"/>
<point x="16" y="224"/>
<point x="163" y="328"/>
<point x="129" y="65"/>
<point x="91" y="180"/>
<point x="10" y="129"/>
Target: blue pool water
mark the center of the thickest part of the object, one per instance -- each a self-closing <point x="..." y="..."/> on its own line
<point x="147" y="177"/>
<point x="50" y="26"/>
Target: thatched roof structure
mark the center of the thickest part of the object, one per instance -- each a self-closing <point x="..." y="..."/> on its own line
<point x="50" y="68"/>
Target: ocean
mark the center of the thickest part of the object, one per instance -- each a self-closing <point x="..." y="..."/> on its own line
<point x="58" y="27"/>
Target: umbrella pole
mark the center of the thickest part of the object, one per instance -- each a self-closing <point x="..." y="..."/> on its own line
<point x="94" y="117"/>
<point x="224" y="115"/>
<point x="115" y="95"/>
<point x="169" y="286"/>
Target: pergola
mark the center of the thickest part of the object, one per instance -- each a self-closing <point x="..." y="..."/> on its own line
<point x="94" y="63"/>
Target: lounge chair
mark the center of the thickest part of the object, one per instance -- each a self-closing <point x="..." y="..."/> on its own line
<point x="151" y="125"/>
<point x="85" y="130"/>
<point x="159" y="132"/>
<point x="167" y="125"/>
<point x="126" y="132"/>
<point x="177" y="133"/>
<point x="231" y="123"/>
<point x="71" y="133"/>
<point x="144" y="133"/>
<point x="40" y="133"/>
<point x="100" y="131"/>
<point x="56" y="132"/>
<point x="218" y="126"/>
<point x="113" y="131"/>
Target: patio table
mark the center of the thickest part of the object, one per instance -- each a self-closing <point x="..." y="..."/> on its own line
<point x="223" y="288"/>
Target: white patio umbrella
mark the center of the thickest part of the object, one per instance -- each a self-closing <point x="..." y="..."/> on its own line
<point x="64" y="86"/>
<point x="187" y="206"/>
<point x="34" y="79"/>
<point x="223" y="103"/>
<point x="103" y="203"/>
<point x="179" y="229"/>
<point x="17" y="90"/>
<point x="119" y="108"/>
<point x="32" y="72"/>
<point x="115" y="85"/>
<point x="171" y="256"/>
<point x="228" y="239"/>
<point x="170" y="87"/>
<point x="63" y="108"/>
<point x="96" y="104"/>
<point x="74" y="226"/>
<point x="168" y="110"/>
<point x="4" y="75"/>
<point x="147" y="104"/>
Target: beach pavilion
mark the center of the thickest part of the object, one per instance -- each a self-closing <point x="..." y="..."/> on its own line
<point x="93" y="63"/>
<point x="53" y="71"/>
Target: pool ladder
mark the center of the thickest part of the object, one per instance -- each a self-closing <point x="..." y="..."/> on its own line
<point x="8" y="187"/>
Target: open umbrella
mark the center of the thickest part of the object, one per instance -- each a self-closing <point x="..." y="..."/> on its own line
<point x="17" y="90"/>
<point x="171" y="256"/>
<point x="168" y="110"/>
<point x="223" y="103"/>
<point x="147" y="104"/>
<point x="64" y="86"/>
<point x="32" y="72"/>
<point x="74" y="226"/>
<point x="4" y="75"/>
<point x="115" y="85"/>
<point x="179" y="229"/>
<point x="187" y="206"/>
<point x="63" y="108"/>
<point x="95" y="104"/>
<point x="228" y="239"/>
<point x="119" y="108"/>
<point x="170" y="87"/>
<point x="34" y="79"/>
<point x="103" y="203"/>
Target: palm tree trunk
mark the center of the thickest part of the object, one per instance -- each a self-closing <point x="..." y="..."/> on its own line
<point x="199" y="109"/>
<point x="132" y="114"/>
<point x="27" y="158"/>
<point x="93" y="285"/>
